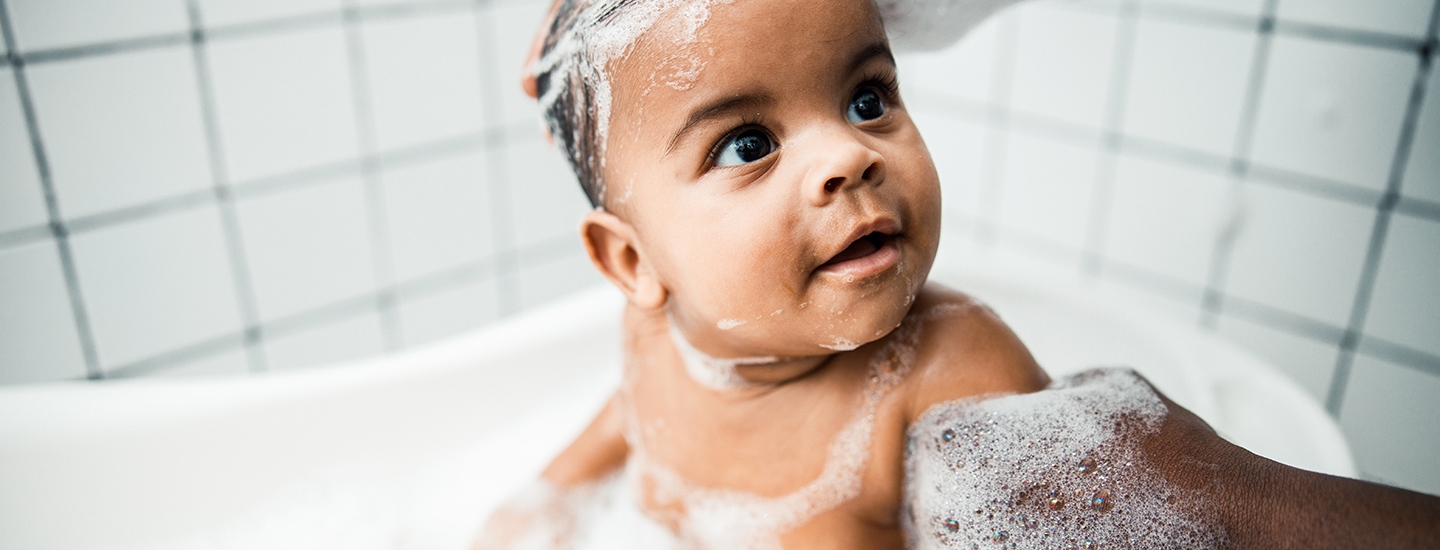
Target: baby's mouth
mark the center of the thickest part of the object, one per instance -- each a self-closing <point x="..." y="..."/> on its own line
<point x="864" y="246"/>
<point x="868" y="255"/>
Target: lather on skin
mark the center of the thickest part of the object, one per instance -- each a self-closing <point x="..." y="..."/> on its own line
<point x="1259" y="503"/>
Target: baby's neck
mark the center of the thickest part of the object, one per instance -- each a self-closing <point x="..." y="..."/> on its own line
<point x="729" y="374"/>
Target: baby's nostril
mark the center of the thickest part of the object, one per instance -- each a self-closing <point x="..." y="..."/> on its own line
<point x="869" y="172"/>
<point x="832" y="184"/>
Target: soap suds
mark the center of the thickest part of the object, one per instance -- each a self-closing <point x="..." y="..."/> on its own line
<point x="722" y="518"/>
<point x="840" y="344"/>
<point x="1052" y="469"/>
<point x="713" y="372"/>
<point x="727" y="324"/>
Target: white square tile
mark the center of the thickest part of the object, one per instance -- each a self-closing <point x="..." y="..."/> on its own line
<point x="514" y="25"/>
<point x="439" y="215"/>
<point x="1187" y="84"/>
<point x="353" y="338"/>
<point x="38" y="339"/>
<point x="1405" y="306"/>
<point x="1047" y="190"/>
<point x="228" y="362"/>
<point x="22" y="202"/>
<point x="1403" y="17"/>
<point x="284" y="101"/>
<point x="964" y="70"/>
<point x="1389" y="417"/>
<point x="1299" y="253"/>
<point x="1062" y="63"/>
<point x="307" y="247"/>
<point x="1308" y="362"/>
<point x="1333" y="110"/>
<point x="228" y="12"/>
<point x="1422" y="169"/>
<point x="444" y="314"/>
<point x="552" y="278"/>
<point x="424" y="77"/>
<point x="958" y="148"/>
<point x="157" y="284"/>
<point x="546" y="202"/>
<point x="1238" y="7"/>
<point x="1164" y="218"/>
<point x="121" y="130"/>
<point x="44" y="24"/>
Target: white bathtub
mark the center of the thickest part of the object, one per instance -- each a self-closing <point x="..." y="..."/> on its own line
<point x="410" y="450"/>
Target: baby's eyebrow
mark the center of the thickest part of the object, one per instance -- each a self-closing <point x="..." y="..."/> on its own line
<point x="718" y="109"/>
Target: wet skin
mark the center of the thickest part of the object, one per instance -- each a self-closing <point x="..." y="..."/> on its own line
<point x="785" y="187"/>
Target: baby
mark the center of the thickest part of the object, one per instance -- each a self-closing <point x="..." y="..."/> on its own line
<point x="771" y="213"/>
<point x="768" y="208"/>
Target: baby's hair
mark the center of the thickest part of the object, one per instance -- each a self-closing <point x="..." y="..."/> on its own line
<point x="573" y="79"/>
<point x="567" y="88"/>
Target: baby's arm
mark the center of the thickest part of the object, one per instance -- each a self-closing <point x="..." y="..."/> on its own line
<point x="546" y="513"/>
<point x="966" y="350"/>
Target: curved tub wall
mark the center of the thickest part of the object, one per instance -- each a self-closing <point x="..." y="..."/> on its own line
<point x="145" y="462"/>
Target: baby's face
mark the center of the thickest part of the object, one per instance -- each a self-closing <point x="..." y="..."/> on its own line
<point x="781" y="193"/>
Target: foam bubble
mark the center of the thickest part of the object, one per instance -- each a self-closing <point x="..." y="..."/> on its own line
<point x="1049" y="469"/>
<point x="713" y="372"/>
<point x="723" y="518"/>
<point x="841" y="344"/>
<point x="727" y="324"/>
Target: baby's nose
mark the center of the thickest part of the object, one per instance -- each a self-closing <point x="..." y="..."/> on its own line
<point x="842" y="164"/>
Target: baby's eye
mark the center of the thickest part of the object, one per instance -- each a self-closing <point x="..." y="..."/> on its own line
<point x="746" y="146"/>
<point x="866" y="105"/>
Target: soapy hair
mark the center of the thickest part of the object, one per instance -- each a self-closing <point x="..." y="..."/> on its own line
<point x="573" y="75"/>
<point x="574" y="83"/>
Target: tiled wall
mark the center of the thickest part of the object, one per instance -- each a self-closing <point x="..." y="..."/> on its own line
<point x="198" y="186"/>
<point x="201" y="186"/>
<point x="1269" y="170"/>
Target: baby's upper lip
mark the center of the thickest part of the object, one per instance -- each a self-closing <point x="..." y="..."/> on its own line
<point x="884" y="225"/>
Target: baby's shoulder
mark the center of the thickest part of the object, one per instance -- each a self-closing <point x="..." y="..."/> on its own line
<point x="964" y="349"/>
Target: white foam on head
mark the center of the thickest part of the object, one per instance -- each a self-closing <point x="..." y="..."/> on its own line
<point x="1051" y="469"/>
<point x="840" y="344"/>
<point x="604" y="33"/>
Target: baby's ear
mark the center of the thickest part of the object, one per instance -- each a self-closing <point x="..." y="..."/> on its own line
<point x="613" y="249"/>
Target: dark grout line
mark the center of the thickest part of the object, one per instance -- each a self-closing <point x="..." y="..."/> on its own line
<point x="126" y="45"/>
<point x="185" y="201"/>
<point x="1244" y="308"/>
<point x="381" y="252"/>
<point x="267" y="185"/>
<point x="1406" y="356"/>
<point x="24" y="236"/>
<point x="507" y="263"/>
<point x="1418" y="208"/>
<point x="1191" y="15"/>
<point x="254" y="337"/>
<point x="301" y="22"/>
<point x="1108" y="161"/>
<point x="1365" y="290"/>
<point x="1239" y="167"/>
<point x="182" y="356"/>
<point x="313" y="318"/>
<point x="83" y="328"/>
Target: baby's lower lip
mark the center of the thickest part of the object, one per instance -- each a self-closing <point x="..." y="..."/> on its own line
<point x="883" y="258"/>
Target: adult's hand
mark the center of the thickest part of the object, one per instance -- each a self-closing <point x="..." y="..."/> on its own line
<point x="527" y="78"/>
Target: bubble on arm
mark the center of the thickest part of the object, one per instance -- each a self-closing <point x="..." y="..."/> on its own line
<point x="1058" y="468"/>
